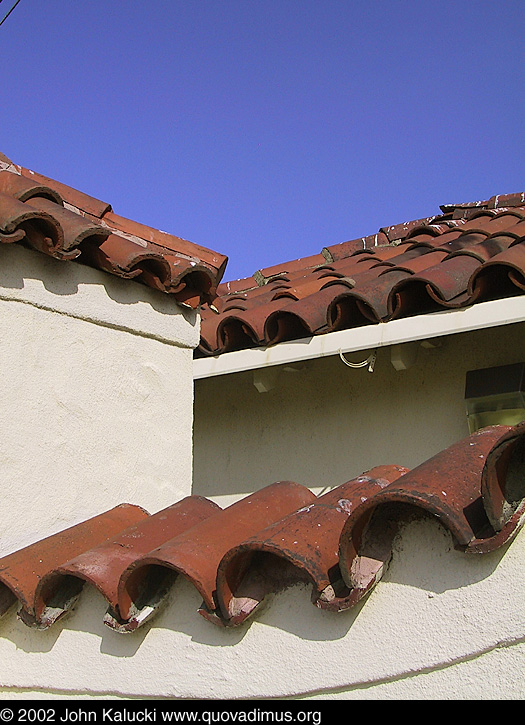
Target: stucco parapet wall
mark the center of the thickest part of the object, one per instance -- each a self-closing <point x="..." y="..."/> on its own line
<point x="84" y="293"/>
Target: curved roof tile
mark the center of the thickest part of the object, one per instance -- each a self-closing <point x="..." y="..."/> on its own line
<point x="67" y="224"/>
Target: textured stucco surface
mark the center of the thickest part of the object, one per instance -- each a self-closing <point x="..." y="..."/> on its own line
<point x="93" y="415"/>
<point x="97" y="412"/>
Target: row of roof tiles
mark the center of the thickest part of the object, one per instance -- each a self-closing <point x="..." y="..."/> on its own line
<point x="339" y="542"/>
<point x="467" y="254"/>
<point x="67" y="224"/>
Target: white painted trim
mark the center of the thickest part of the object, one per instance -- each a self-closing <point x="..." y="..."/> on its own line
<point x="368" y="337"/>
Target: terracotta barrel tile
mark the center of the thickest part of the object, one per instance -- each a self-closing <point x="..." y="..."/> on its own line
<point x="462" y="501"/>
<point x="209" y="343"/>
<point x="297" y="265"/>
<point x="414" y="260"/>
<point x="503" y="275"/>
<point x="491" y="222"/>
<point x="367" y="301"/>
<point x="237" y="285"/>
<point x="40" y="229"/>
<point x="76" y="229"/>
<point x="444" y="285"/>
<point x="103" y="565"/>
<point x="503" y="490"/>
<point x="123" y="257"/>
<point x="389" y="253"/>
<point x="346" y="249"/>
<point x="195" y="252"/>
<point x="303" y="318"/>
<point x="503" y="200"/>
<point x="487" y="248"/>
<point x="196" y="554"/>
<point x="303" y="546"/>
<point x="236" y="326"/>
<point x="442" y="240"/>
<point x="23" y="189"/>
<point x="401" y="231"/>
<point x="24" y="572"/>
<point x="76" y="198"/>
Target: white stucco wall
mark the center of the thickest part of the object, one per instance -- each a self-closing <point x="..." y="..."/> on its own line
<point x="96" y="395"/>
<point x="327" y="423"/>
<point x="441" y="625"/>
<point x="97" y="409"/>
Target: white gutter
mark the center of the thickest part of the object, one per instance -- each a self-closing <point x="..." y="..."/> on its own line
<point x="369" y="337"/>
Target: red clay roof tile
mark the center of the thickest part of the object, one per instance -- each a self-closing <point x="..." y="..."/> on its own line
<point x="345" y="249"/>
<point x="303" y="546"/>
<point x="23" y="574"/>
<point x="74" y="197"/>
<point x="477" y="505"/>
<point x="469" y="253"/>
<point x="502" y="276"/>
<point x="103" y="566"/>
<point x="339" y="542"/>
<point x="67" y="224"/>
<point x="196" y="552"/>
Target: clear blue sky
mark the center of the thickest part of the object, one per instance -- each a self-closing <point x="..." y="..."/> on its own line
<point x="267" y="129"/>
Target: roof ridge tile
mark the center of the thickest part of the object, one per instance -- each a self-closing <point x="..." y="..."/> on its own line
<point x="68" y="224"/>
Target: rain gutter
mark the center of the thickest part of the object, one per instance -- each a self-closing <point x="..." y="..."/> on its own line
<point x="369" y="337"/>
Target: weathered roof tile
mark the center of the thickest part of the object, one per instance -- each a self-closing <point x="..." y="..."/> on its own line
<point x="67" y="224"/>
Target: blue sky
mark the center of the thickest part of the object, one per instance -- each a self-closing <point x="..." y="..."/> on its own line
<point x="268" y="129"/>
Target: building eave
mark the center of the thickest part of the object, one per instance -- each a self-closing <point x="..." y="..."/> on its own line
<point x="369" y="337"/>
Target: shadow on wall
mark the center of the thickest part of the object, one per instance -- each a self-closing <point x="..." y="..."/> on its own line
<point x="320" y="428"/>
<point x="325" y="424"/>
<point x="63" y="279"/>
<point x="423" y="567"/>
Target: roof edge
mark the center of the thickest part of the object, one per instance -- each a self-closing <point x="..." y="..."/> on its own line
<point x="494" y="313"/>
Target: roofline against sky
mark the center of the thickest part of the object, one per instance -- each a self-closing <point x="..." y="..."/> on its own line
<point x="369" y="337"/>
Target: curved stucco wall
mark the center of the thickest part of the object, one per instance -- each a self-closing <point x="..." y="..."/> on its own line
<point x="97" y="409"/>
<point x="441" y="625"/>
